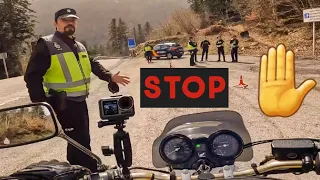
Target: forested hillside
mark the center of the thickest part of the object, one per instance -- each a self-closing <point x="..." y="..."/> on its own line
<point x="97" y="14"/>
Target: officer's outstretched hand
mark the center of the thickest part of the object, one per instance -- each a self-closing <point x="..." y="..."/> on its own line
<point x="278" y="95"/>
<point x="124" y="80"/>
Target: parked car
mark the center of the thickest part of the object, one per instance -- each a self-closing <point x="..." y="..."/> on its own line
<point x="168" y="50"/>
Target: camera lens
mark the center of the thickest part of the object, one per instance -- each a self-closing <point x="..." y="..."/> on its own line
<point x="125" y="102"/>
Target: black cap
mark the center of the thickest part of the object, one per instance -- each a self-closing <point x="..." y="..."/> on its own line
<point x="65" y="13"/>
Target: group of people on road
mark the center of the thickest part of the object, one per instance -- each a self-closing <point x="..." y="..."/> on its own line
<point x="192" y="48"/>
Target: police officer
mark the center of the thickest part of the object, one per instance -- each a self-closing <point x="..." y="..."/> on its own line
<point x="59" y="73"/>
<point x="192" y="47"/>
<point x="234" y="48"/>
<point x="220" y="47"/>
<point x="205" y="48"/>
<point x="148" y="52"/>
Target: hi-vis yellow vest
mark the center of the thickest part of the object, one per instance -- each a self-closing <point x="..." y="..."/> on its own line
<point x="147" y="48"/>
<point x="190" y="47"/>
<point x="66" y="73"/>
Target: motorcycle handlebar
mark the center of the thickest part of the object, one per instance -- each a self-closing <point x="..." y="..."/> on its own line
<point x="271" y="166"/>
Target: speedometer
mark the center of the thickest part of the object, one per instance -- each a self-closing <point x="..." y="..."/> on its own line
<point x="176" y="149"/>
<point x="226" y="144"/>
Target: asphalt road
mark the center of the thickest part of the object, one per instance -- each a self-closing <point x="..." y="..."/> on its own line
<point x="147" y="124"/>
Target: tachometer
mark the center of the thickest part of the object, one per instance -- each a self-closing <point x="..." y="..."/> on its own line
<point x="226" y="144"/>
<point x="176" y="149"/>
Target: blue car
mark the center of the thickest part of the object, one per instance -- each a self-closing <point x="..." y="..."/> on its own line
<point x="168" y="50"/>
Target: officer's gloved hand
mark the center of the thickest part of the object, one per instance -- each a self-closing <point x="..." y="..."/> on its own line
<point x="52" y="170"/>
<point x="113" y="87"/>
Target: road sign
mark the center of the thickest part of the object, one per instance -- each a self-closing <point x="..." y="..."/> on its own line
<point x="311" y="15"/>
<point x="4" y="56"/>
<point x="131" y="43"/>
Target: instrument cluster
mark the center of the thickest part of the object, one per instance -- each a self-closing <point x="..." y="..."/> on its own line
<point x="219" y="149"/>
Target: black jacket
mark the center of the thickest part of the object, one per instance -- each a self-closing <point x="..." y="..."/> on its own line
<point x="220" y="42"/>
<point x="205" y="44"/>
<point x="236" y="42"/>
<point x="40" y="62"/>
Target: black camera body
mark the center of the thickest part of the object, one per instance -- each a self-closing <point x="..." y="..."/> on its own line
<point x="116" y="107"/>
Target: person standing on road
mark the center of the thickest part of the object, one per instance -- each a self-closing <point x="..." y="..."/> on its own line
<point x="148" y="52"/>
<point x="234" y="48"/>
<point x="58" y="72"/>
<point x="220" y="47"/>
<point x="196" y="52"/>
<point x="192" y="46"/>
<point x="205" y="48"/>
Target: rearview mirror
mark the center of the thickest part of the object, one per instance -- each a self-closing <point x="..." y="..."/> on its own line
<point x="26" y="124"/>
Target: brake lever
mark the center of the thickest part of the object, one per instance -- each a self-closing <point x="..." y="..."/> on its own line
<point x="104" y="168"/>
<point x="228" y="171"/>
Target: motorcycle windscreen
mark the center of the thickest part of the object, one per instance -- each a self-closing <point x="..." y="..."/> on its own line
<point x="204" y="124"/>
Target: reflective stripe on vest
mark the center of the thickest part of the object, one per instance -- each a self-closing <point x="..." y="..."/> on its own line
<point x="234" y="44"/>
<point x="65" y="85"/>
<point x="219" y="43"/>
<point x="190" y="47"/>
<point x="147" y="48"/>
<point x="65" y="72"/>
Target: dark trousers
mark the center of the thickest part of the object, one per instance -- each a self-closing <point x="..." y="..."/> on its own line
<point x="205" y="51"/>
<point x="234" y="54"/>
<point x="192" y="58"/>
<point x="148" y="55"/>
<point x="75" y="124"/>
<point x="221" y="52"/>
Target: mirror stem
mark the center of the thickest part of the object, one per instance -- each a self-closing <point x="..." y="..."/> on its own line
<point x="80" y="147"/>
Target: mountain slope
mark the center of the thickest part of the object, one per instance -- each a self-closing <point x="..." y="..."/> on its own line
<point x="95" y="15"/>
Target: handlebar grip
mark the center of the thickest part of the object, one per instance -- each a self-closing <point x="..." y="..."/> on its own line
<point x="107" y="175"/>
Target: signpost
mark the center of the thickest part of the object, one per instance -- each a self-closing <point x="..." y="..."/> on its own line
<point x="131" y="45"/>
<point x="312" y="15"/>
<point x="4" y="56"/>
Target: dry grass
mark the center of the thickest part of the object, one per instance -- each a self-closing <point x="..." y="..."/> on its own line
<point x="182" y="21"/>
<point x="22" y="127"/>
<point x="265" y="25"/>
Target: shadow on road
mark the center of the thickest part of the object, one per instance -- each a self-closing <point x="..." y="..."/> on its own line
<point x="165" y="59"/>
<point x="232" y="62"/>
<point x="240" y="62"/>
<point x="200" y="66"/>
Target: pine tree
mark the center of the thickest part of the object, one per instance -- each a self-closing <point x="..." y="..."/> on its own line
<point x="109" y="49"/>
<point x="147" y="29"/>
<point x="17" y="26"/>
<point x="113" y="33"/>
<point x="134" y="31"/>
<point x="122" y="34"/>
<point x="141" y="34"/>
<point x="196" y="6"/>
<point x="102" y="50"/>
<point x="212" y="7"/>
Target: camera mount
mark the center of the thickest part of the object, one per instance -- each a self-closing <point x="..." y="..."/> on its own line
<point x="122" y="145"/>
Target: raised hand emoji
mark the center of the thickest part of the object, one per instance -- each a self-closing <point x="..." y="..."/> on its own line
<point x="277" y="93"/>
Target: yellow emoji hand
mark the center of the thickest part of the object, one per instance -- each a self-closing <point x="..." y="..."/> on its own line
<point x="277" y="93"/>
